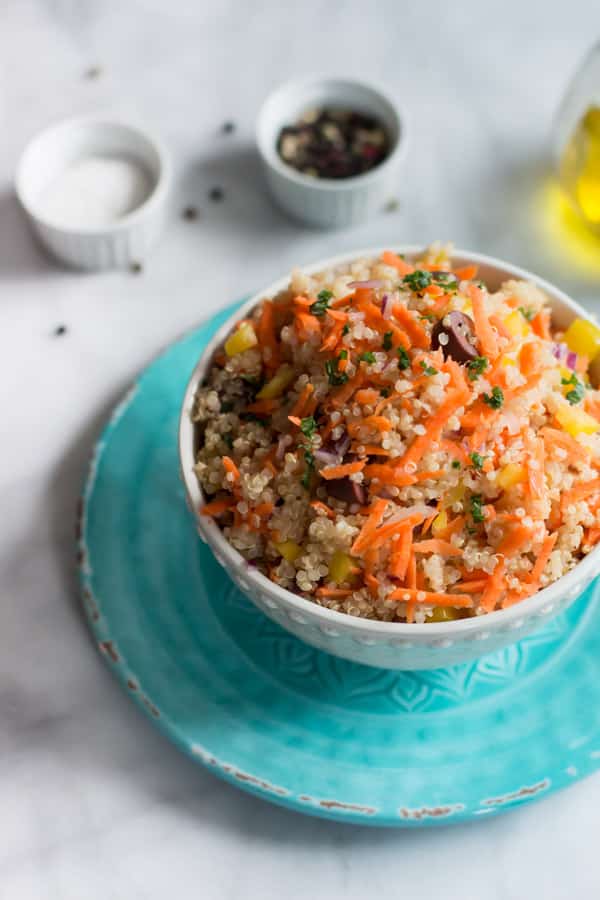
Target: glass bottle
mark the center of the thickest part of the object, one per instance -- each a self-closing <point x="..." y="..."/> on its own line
<point x="577" y="140"/>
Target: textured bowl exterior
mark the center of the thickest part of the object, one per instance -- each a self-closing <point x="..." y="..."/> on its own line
<point x="104" y="250"/>
<point x="329" y="203"/>
<point x="386" y="645"/>
<point x="114" y="246"/>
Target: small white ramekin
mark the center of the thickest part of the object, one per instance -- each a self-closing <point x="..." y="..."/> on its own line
<point x="120" y="244"/>
<point x="387" y="645"/>
<point x="328" y="202"/>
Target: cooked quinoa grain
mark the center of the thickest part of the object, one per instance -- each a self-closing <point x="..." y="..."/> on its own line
<point x="393" y="441"/>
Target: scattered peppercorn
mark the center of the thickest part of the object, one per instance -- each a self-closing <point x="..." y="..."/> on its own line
<point x="93" y="72"/>
<point x="216" y="194"/>
<point x="228" y="127"/>
<point x="392" y="205"/>
<point x="190" y="213"/>
<point x="60" y="330"/>
<point x="135" y="268"/>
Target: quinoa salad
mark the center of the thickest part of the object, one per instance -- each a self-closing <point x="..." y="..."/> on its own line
<point x="392" y="440"/>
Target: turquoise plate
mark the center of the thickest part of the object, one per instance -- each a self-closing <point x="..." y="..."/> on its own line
<point x="289" y="723"/>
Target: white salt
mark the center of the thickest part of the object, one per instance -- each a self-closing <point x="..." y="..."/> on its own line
<point x="95" y="191"/>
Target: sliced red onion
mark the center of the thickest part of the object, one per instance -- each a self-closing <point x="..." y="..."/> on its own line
<point x="373" y="283"/>
<point x="284" y="441"/>
<point x="419" y="508"/>
<point x="571" y="360"/>
<point x="326" y="457"/>
<point x="386" y="306"/>
<point x="342" y="445"/>
<point x="566" y="356"/>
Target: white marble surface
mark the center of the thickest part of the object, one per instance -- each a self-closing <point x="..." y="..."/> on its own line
<point x="94" y="803"/>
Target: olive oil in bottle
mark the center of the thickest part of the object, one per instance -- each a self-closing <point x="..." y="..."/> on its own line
<point x="579" y="167"/>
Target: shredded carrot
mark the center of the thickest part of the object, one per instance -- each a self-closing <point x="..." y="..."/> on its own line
<point x="466" y="273"/>
<point x="342" y="395"/>
<point x="342" y="471"/>
<point x="530" y="358"/>
<point x="542" y="559"/>
<point x="580" y="492"/>
<point x="370" y="526"/>
<point x="499" y="325"/>
<point x="307" y="326"/>
<point x="435" y="424"/>
<point x="400" y="556"/>
<point x="540" y="325"/>
<point x="370" y="450"/>
<point x="319" y="506"/>
<point x="299" y="406"/>
<point x="417" y="334"/>
<point x="494" y="587"/>
<point x="431" y="598"/>
<point x="453" y="448"/>
<point x="333" y="592"/>
<point x="392" y="259"/>
<point x="436" y="545"/>
<point x="453" y="527"/>
<point x="576" y="451"/>
<point x="470" y="587"/>
<point x="483" y="329"/>
<point x="388" y="474"/>
<point x="231" y="468"/>
<point x="389" y="530"/>
<point x="514" y="540"/>
<point x="216" y="507"/>
<point x="367" y="397"/>
<point x="379" y="423"/>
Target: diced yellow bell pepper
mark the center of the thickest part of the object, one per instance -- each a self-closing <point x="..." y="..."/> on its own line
<point x="576" y="421"/>
<point x="517" y="324"/>
<point x="340" y="567"/>
<point x="508" y="361"/>
<point x="277" y="385"/>
<point x="454" y="495"/>
<point x="440" y="523"/>
<point x="509" y="475"/>
<point x="242" y="339"/>
<point x="443" y="614"/>
<point x="290" y="550"/>
<point x="583" y="338"/>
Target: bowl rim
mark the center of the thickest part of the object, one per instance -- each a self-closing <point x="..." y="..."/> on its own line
<point x="69" y="126"/>
<point x="208" y="529"/>
<point x="271" y="158"/>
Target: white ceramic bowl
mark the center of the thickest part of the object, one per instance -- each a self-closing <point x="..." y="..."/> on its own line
<point x="391" y="645"/>
<point x="119" y="244"/>
<point x="328" y="202"/>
